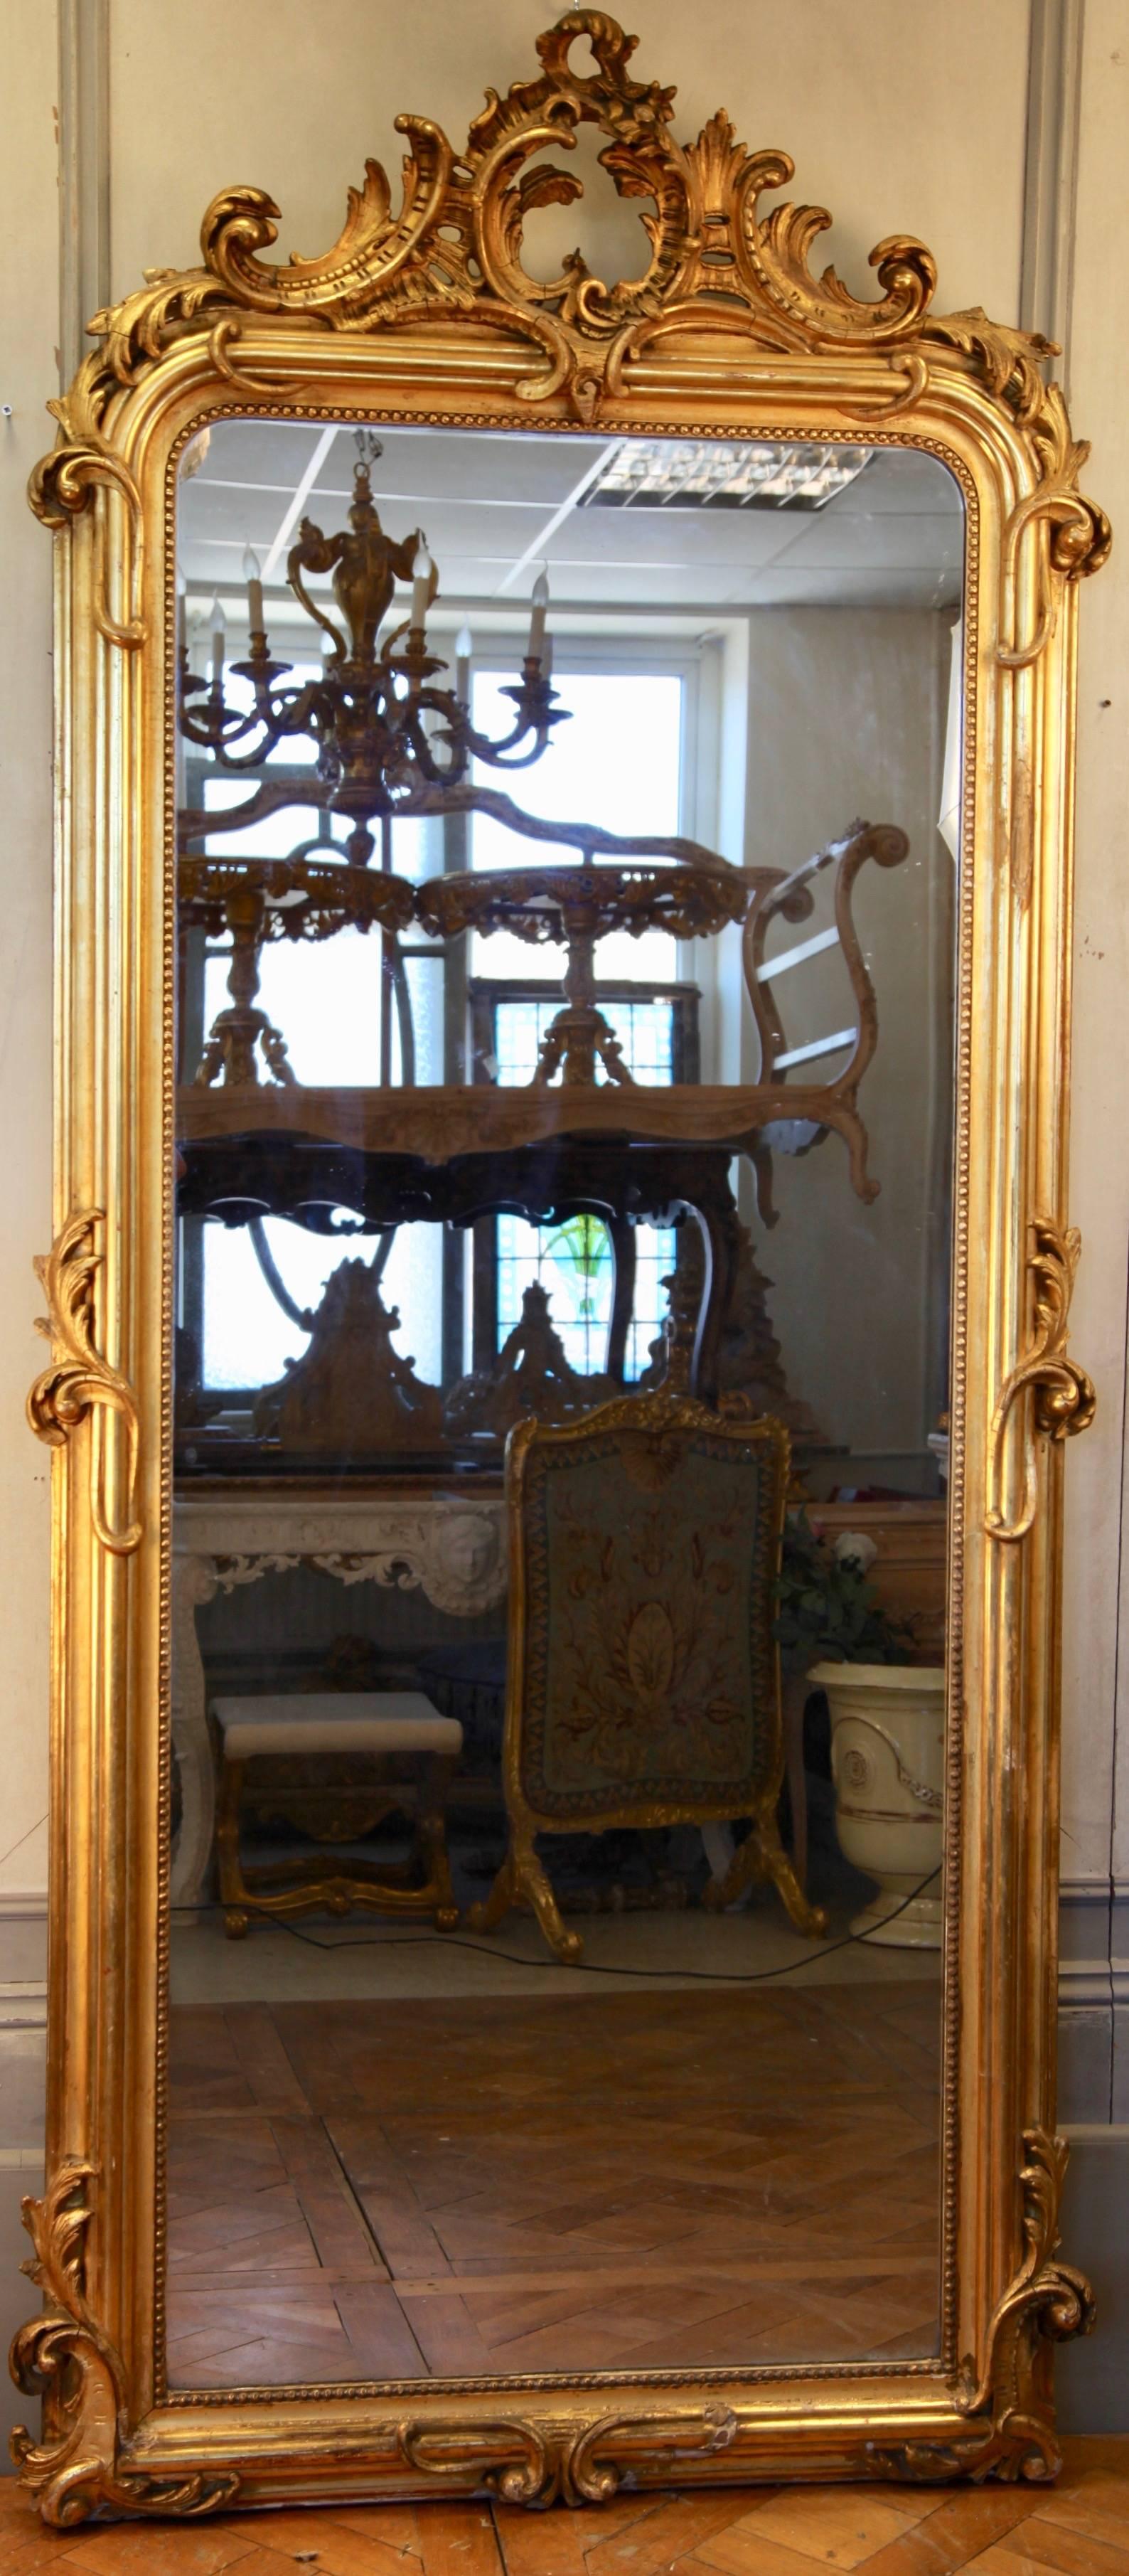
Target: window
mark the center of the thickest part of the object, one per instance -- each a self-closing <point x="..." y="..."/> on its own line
<point x="349" y="1018"/>
<point x="618" y="759"/>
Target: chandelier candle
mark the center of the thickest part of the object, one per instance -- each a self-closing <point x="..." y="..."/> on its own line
<point x="252" y="575"/>
<point x="537" y="619"/>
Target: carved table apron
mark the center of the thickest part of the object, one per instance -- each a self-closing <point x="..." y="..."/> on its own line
<point x="449" y="1546"/>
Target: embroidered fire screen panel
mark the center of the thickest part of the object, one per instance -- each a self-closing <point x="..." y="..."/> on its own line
<point x="650" y="1668"/>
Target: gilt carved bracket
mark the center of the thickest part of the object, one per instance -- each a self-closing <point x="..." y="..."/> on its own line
<point x="80" y="1383"/>
<point x="1063" y="1398"/>
<point x="64" y="2357"/>
<point x="1048" y="2301"/>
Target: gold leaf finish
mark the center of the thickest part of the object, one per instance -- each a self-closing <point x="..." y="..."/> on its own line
<point x="523" y="2463"/>
<point x="425" y="313"/>
<point x="79" y="1381"/>
<point x="1047" y="2300"/>
<point x="453" y="251"/>
<point x="1063" y="1398"/>
<point x="64" y="2357"/>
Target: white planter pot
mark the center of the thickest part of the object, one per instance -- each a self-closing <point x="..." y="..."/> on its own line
<point x="888" y="1766"/>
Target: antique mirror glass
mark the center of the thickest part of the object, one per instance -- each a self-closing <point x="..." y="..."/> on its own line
<point x="559" y="1313"/>
<point x="567" y="901"/>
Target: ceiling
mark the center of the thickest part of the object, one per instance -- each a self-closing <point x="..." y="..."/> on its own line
<point x="495" y="506"/>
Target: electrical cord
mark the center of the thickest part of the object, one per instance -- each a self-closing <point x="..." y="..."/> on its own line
<point x="487" y="1949"/>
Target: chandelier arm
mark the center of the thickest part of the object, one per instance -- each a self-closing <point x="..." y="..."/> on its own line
<point x="327" y="556"/>
<point x="504" y="755"/>
<point x="418" y="744"/>
<point x="270" y="720"/>
<point x="466" y="741"/>
<point x="206" y="732"/>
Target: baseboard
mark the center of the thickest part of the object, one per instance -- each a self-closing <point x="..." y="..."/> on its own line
<point x="1093" y="1989"/>
<point x="1092" y="2376"/>
<point x="23" y="1960"/>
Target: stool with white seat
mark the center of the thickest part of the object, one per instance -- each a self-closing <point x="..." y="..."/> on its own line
<point x="413" y="1751"/>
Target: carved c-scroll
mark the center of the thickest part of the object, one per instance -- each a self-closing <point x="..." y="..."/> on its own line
<point x="1063" y="1398"/>
<point x="1048" y="2301"/>
<point x="79" y="1381"/>
<point x="65" y="2357"/>
<point x="525" y="2463"/>
<point x="1074" y="536"/>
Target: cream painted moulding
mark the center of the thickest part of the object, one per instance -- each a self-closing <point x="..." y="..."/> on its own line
<point x="427" y="315"/>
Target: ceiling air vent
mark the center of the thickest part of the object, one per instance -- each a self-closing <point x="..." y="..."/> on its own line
<point x="695" y="474"/>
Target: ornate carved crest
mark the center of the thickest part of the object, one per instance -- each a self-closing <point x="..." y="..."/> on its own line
<point x="452" y="252"/>
<point x="351" y="1391"/>
<point x="531" y="1375"/>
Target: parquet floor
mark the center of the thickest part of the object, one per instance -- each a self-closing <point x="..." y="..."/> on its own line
<point x="1080" y="2527"/>
<point x="389" y="2190"/>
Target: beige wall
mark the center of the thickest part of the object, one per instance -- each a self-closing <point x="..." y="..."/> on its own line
<point x="29" y="375"/>
<point x="1095" y="1678"/>
<point x="899" y="119"/>
<point x="846" y="717"/>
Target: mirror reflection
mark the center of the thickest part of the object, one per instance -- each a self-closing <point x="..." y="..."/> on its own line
<point x="567" y="882"/>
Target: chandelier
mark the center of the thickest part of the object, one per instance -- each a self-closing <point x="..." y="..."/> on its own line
<point x="386" y="732"/>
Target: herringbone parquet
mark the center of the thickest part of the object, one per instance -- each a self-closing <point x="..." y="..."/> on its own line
<point x="387" y="2190"/>
<point x="1079" y="2527"/>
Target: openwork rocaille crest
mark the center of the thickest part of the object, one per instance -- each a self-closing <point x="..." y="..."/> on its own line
<point x="64" y="2357"/>
<point x="452" y="252"/>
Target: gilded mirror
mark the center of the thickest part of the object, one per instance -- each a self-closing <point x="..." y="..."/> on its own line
<point x="560" y="1366"/>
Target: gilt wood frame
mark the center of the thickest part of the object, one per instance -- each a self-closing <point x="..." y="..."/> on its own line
<point x="428" y="316"/>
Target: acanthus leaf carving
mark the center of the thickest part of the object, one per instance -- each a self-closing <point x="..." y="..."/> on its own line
<point x="1063" y="1397"/>
<point x="63" y="2355"/>
<point x="79" y="1382"/>
<point x="1048" y="2301"/>
<point x="453" y="251"/>
<point x="1072" y="534"/>
<point x="1010" y="361"/>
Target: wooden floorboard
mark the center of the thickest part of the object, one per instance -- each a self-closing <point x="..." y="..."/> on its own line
<point x="484" y="2187"/>
<point x="1079" y="2527"/>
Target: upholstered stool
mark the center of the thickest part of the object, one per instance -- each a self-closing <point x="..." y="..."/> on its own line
<point x="413" y="1752"/>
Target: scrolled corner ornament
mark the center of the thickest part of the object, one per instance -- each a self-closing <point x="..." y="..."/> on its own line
<point x="1063" y="1400"/>
<point x="79" y="1382"/>
<point x="1048" y="2302"/>
<point x="1073" y="536"/>
<point x="515" y="2461"/>
<point x="64" y="2357"/>
<point x="608" y="2452"/>
<point x="549" y="2462"/>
